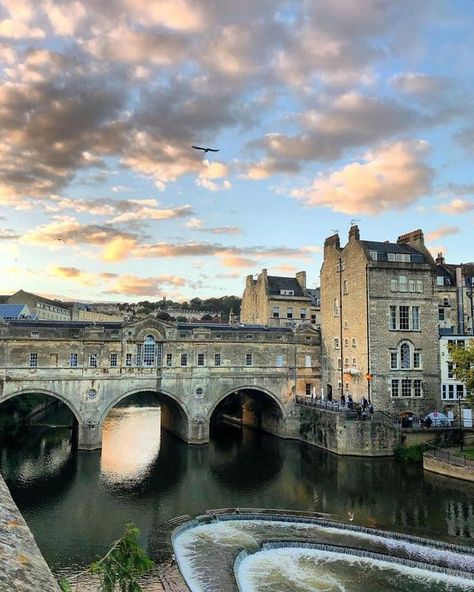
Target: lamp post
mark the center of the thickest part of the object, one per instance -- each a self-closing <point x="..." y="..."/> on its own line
<point x="460" y="424"/>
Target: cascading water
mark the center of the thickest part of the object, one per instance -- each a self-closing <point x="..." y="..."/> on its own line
<point x="278" y="554"/>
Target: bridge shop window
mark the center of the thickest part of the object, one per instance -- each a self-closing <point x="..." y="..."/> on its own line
<point x="33" y="360"/>
<point x="201" y="360"/>
<point x="114" y="360"/>
<point x="73" y="359"/>
<point x="93" y="360"/>
<point x="128" y="360"/>
<point x="217" y="359"/>
<point x="248" y="359"/>
<point x="169" y="360"/>
<point x="149" y="352"/>
<point x="184" y="359"/>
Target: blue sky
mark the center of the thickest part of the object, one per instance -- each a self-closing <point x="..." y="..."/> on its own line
<point x="323" y="113"/>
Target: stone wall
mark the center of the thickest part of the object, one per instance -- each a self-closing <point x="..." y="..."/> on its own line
<point x="23" y="568"/>
<point x="332" y="431"/>
<point x="444" y="467"/>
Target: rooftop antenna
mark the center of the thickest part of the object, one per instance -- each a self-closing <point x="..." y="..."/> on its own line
<point x="335" y="230"/>
<point x="354" y="220"/>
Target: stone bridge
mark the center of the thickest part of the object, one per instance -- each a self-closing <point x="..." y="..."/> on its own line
<point x="192" y="369"/>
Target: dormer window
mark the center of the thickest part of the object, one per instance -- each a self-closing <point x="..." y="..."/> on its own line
<point x="287" y="292"/>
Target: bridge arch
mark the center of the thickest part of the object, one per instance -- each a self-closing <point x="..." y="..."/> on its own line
<point x="175" y="416"/>
<point x="248" y="387"/>
<point x="39" y="391"/>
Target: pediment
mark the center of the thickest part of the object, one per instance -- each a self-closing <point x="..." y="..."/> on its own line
<point x="150" y="325"/>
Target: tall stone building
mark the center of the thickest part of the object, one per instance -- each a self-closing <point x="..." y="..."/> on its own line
<point x="454" y="290"/>
<point x="278" y="301"/>
<point x="379" y="322"/>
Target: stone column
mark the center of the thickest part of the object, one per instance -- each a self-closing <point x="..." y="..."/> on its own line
<point x="90" y="436"/>
<point x="198" y="430"/>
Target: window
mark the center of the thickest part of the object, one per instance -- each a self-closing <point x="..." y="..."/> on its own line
<point x="441" y="316"/>
<point x="459" y="391"/>
<point x="35" y="334"/>
<point x="417" y="388"/>
<point x="307" y="361"/>
<point x="200" y="360"/>
<point x="149" y="351"/>
<point x="453" y="391"/>
<point x="336" y="343"/>
<point x="450" y="369"/>
<point x="394" y="285"/>
<point x="218" y="336"/>
<point x="402" y="283"/>
<point x="411" y="285"/>
<point x="419" y="286"/>
<point x="248" y="359"/>
<point x="439" y="280"/>
<point x="302" y="313"/>
<point x="336" y="307"/>
<point x="276" y="312"/>
<point x="128" y="360"/>
<point x="346" y="342"/>
<point x="354" y="342"/>
<point x="415" y="318"/>
<point x="289" y="313"/>
<point x="73" y="360"/>
<point x="279" y="361"/>
<point x="395" y="392"/>
<point x="393" y="360"/>
<point x="113" y="360"/>
<point x="405" y="356"/>
<point x="339" y="363"/>
<point x="354" y="362"/>
<point x="403" y="257"/>
<point x="446" y="302"/>
<point x="373" y="254"/>
<point x="93" y="360"/>
<point x="249" y="336"/>
<point x="287" y="292"/>
<point x="217" y="359"/>
<point x="308" y="389"/>
<point x="346" y="362"/>
<point x="345" y="287"/>
<point x="313" y="319"/>
<point x="184" y="359"/>
<point x="33" y="360"/>
<point x="406" y="387"/>
<point x="393" y="318"/>
<point x="417" y="360"/>
<point x="404" y="318"/>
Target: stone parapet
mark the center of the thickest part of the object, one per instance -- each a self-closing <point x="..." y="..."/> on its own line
<point x="448" y="465"/>
<point x="22" y="567"/>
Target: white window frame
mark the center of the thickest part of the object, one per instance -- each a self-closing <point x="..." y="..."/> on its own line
<point x="33" y="359"/>
<point x="184" y="360"/>
<point x="93" y="360"/>
<point x="73" y="359"/>
<point x="201" y="359"/>
<point x="113" y="359"/>
<point x="218" y="359"/>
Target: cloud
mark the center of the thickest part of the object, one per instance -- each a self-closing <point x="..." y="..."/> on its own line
<point x="152" y="286"/>
<point x="456" y="206"/>
<point x="442" y="231"/>
<point x="420" y="84"/>
<point x="234" y="261"/>
<point x="8" y="235"/>
<point x="198" y="225"/>
<point x="392" y="177"/>
<point x="153" y="213"/>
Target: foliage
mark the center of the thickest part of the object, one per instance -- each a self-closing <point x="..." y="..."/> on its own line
<point x="120" y="569"/>
<point x="463" y="358"/>
<point x="410" y="453"/>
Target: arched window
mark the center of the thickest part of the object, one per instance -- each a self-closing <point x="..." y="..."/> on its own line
<point x="405" y="356"/>
<point x="149" y="351"/>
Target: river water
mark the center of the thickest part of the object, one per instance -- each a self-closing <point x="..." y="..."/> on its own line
<point x="76" y="504"/>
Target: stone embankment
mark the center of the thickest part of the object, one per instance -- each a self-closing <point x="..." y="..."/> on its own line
<point x="444" y="462"/>
<point x="22" y="567"/>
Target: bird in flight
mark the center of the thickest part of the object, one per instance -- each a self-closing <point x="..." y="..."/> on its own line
<point x="205" y="149"/>
<point x="60" y="238"/>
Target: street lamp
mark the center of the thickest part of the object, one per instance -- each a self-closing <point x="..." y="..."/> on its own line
<point x="460" y="424"/>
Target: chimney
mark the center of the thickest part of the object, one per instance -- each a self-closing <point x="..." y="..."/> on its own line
<point x="249" y="281"/>
<point x="301" y="278"/>
<point x="354" y="234"/>
<point x="414" y="238"/>
<point x="439" y="259"/>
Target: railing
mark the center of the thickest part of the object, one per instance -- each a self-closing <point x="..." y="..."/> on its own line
<point x="448" y="456"/>
<point x="352" y="413"/>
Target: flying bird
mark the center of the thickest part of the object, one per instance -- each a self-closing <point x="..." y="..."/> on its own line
<point x="60" y="238"/>
<point x="205" y="149"/>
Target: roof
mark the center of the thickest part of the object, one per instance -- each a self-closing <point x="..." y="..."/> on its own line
<point x="12" y="311"/>
<point x="315" y="295"/>
<point x="227" y="327"/>
<point x="387" y="247"/>
<point x="37" y="298"/>
<point x="66" y="324"/>
<point x="277" y="283"/>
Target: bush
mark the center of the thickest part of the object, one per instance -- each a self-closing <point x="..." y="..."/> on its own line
<point x="410" y="453"/>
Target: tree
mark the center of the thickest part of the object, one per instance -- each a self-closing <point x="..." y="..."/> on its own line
<point x="463" y="358"/>
<point x="119" y="570"/>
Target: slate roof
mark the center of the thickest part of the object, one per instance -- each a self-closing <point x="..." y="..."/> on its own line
<point x="386" y="247"/>
<point x="227" y="327"/>
<point x="12" y="311"/>
<point x="277" y="283"/>
<point x="37" y="298"/>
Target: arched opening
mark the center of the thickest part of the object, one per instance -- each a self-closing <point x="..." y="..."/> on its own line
<point x="38" y="437"/>
<point x="248" y="407"/>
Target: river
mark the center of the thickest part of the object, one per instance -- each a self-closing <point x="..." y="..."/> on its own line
<point x="76" y="504"/>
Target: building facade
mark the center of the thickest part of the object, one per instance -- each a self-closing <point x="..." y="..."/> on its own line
<point x="278" y="301"/>
<point x="454" y="290"/>
<point x="380" y="323"/>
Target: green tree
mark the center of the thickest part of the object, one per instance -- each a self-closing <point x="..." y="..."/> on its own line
<point x="120" y="569"/>
<point x="463" y="358"/>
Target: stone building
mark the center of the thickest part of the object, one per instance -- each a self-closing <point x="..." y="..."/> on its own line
<point x="193" y="368"/>
<point x="380" y="322"/>
<point x="278" y="301"/>
<point x="454" y="290"/>
<point x="43" y="308"/>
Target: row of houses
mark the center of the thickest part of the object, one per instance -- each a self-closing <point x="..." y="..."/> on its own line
<point x="388" y="312"/>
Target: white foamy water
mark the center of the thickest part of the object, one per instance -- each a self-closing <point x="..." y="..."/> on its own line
<point x="313" y="570"/>
<point x="206" y="554"/>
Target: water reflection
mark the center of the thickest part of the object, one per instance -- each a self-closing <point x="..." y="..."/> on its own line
<point x="78" y="503"/>
<point x="130" y="445"/>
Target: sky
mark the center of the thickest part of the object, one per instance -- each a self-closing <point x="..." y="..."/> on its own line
<point x="325" y="113"/>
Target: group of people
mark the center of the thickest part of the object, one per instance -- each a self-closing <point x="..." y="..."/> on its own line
<point x="364" y="409"/>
